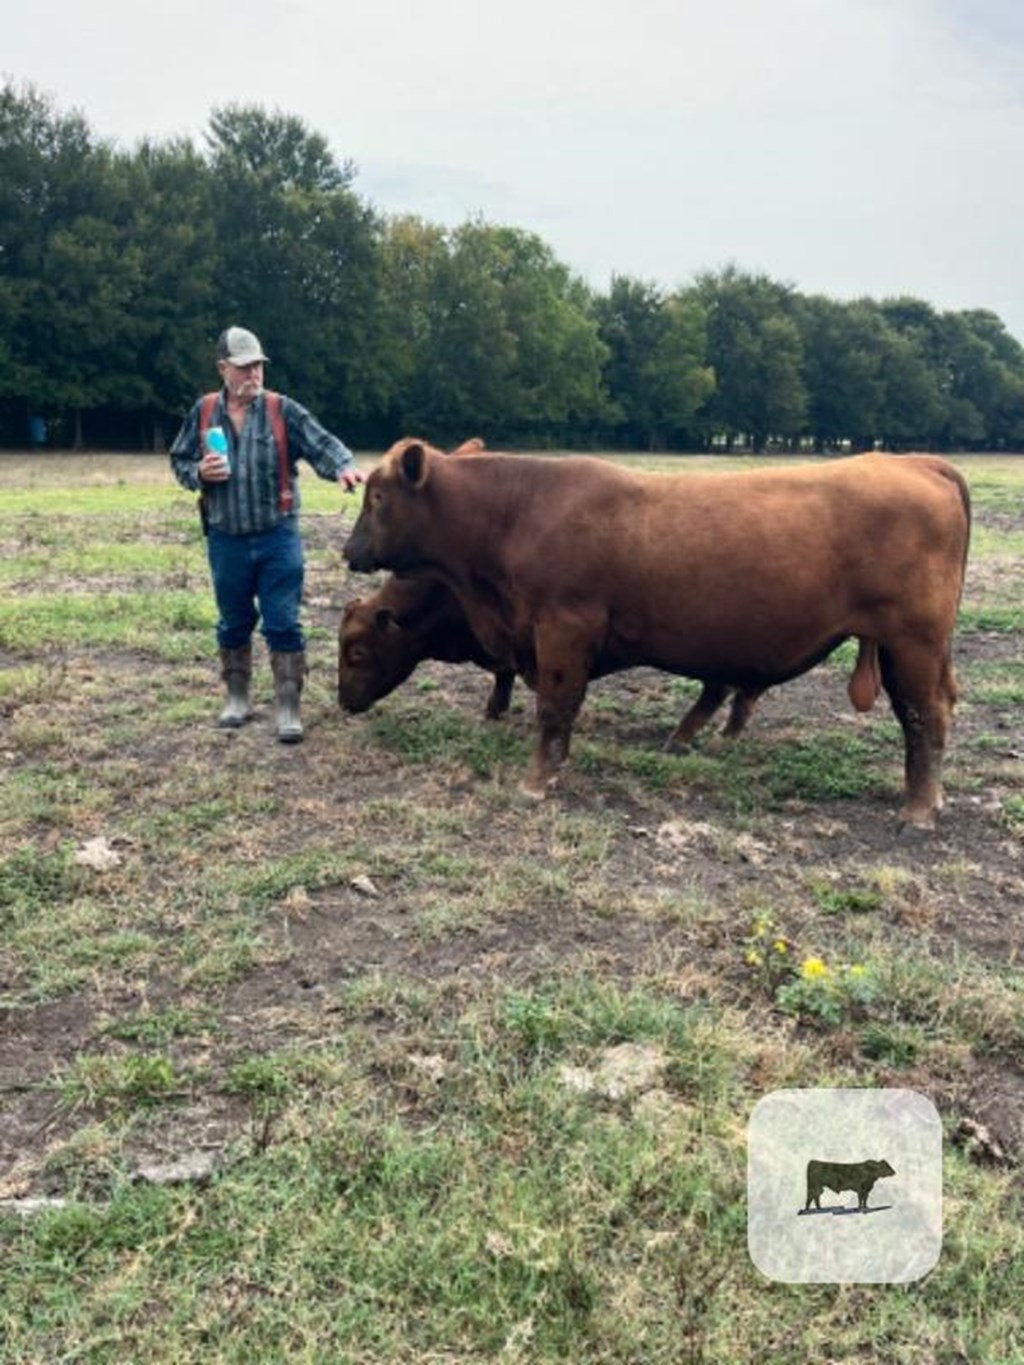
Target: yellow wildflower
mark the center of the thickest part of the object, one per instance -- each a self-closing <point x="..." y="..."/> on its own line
<point x="813" y="969"/>
<point x="754" y="957"/>
<point x="780" y="945"/>
<point x="858" y="969"/>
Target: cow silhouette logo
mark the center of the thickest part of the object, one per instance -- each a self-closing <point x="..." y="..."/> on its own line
<point x="819" y="1160"/>
<point x="840" y="1176"/>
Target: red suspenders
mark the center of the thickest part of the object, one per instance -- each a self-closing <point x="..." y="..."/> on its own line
<point x="285" y="496"/>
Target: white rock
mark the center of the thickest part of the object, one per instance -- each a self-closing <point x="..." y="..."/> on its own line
<point x="195" y="1168"/>
<point x="30" y="1208"/>
<point x="433" y="1067"/>
<point x="364" y="886"/>
<point x="97" y="854"/>
<point x="627" y="1069"/>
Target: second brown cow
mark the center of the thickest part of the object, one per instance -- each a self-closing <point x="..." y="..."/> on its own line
<point x="383" y="638"/>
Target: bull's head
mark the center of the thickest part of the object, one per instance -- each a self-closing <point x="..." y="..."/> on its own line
<point x="391" y="530"/>
<point x="374" y="655"/>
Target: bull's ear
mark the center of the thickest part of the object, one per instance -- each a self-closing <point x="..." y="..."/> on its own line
<point x="414" y="464"/>
<point x="473" y="446"/>
<point x="385" y="619"/>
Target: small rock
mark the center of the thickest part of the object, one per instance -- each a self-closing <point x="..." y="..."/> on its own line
<point x="364" y="886"/>
<point x="624" y="1070"/>
<point x="433" y="1067"/>
<point x="679" y="834"/>
<point x="577" y="1078"/>
<point x="498" y="1245"/>
<point x="196" y="1168"/>
<point x="657" y="1104"/>
<point x="751" y="850"/>
<point x="298" y="900"/>
<point x="628" y="1068"/>
<point x="97" y="854"/>
<point x="978" y="1142"/>
<point x="30" y="1208"/>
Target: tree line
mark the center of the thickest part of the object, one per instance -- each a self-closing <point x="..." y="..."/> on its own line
<point x="118" y="269"/>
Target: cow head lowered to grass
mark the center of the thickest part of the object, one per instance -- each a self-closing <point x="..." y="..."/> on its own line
<point x="571" y="567"/>
<point x="383" y="637"/>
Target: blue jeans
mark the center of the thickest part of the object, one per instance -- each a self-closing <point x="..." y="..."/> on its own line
<point x="265" y="569"/>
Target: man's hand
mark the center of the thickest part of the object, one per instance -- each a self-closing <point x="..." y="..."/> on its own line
<point x="213" y="468"/>
<point x="350" y="478"/>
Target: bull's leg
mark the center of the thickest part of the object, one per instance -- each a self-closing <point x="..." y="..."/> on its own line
<point x="501" y="694"/>
<point x="922" y="689"/>
<point x="743" y="702"/>
<point x="561" y="685"/>
<point x="711" y="697"/>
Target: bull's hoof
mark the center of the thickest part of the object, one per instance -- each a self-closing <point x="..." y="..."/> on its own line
<point x="916" y="822"/>
<point x="535" y="788"/>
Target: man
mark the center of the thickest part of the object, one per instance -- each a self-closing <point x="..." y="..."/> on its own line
<point x="250" y="503"/>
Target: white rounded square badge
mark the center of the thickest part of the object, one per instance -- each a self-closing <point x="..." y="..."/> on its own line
<point x="844" y="1186"/>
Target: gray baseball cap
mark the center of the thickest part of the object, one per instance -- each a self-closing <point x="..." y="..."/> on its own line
<point x="239" y="346"/>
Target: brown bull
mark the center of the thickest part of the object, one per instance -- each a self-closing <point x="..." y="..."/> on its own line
<point x="743" y="580"/>
<point x="384" y="637"/>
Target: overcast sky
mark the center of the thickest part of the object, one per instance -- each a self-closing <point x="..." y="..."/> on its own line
<point x="849" y="147"/>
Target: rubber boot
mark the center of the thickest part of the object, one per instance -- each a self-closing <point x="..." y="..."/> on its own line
<point x="236" y="670"/>
<point x="289" y="674"/>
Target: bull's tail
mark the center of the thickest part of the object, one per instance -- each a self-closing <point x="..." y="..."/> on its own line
<point x="866" y="679"/>
<point x="955" y="477"/>
<point x="965" y="498"/>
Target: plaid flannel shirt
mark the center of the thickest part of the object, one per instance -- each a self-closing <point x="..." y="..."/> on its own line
<point x="247" y="502"/>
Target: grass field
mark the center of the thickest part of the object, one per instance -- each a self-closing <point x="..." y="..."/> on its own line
<point x="371" y="996"/>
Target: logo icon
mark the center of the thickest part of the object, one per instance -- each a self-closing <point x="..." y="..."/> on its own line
<point x="807" y="1153"/>
<point x="858" y="1176"/>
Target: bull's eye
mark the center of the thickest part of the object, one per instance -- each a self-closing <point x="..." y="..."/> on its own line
<point x="376" y="497"/>
<point x="357" y="654"/>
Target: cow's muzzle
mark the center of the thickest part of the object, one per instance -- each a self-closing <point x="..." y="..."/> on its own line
<point x="359" y="552"/>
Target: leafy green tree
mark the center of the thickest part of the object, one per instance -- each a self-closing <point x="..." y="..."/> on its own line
<point x="555" y="368"/>
<point x="491" y="334"/>
<point x="298" y="260"/>
<point x="412" y="254"/>
<point x="70" y="265"/>
<point x="468" y="351"/>
<point x="1005" y="389"/>
<point x="118" y="270"/>
<point x="843" y="347"/>
<point x="913" y="407"/>
<point x="755" y="350"/>
<point x="174" y="317"/>
<point x="983" y="368"/>
<point x="656" y="373"/>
